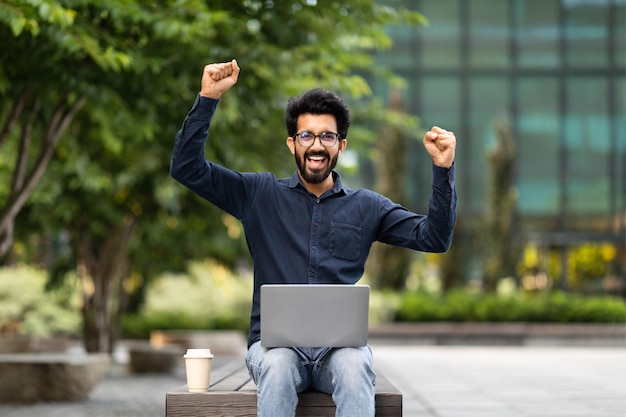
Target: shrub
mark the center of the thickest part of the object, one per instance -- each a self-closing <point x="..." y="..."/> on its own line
<point x="209" y="296"/>
<point x="551" y="307"/>
<point x="27" y="308"/>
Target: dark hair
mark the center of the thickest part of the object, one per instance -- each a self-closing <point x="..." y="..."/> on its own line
<point x="317" y="101"/>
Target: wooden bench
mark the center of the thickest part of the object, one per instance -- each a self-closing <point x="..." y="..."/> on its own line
<point x="233" y="393"/>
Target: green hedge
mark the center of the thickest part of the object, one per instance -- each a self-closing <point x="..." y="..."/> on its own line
<point x="557" y="307"/>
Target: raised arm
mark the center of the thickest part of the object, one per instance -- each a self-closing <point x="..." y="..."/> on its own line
<point x="221" y="186"/>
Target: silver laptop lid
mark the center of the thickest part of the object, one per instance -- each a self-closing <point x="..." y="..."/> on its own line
<point x="306" y="315"/>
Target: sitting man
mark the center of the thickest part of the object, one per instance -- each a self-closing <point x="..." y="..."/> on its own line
<point x="310" y="229"/>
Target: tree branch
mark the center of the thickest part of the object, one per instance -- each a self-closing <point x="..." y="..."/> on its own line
<point x="6" y="240"/>
<point x="22" y="155"/>
<point x="13" y="116"/>
<point x="56" y="127"/>
<point x="60" y="120"/>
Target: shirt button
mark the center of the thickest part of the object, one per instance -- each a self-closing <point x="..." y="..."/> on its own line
<point x="312" y="269"/>
<point x="314" y="247"/>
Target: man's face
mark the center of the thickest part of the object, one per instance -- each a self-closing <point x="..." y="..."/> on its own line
<point x="316" y="161"/>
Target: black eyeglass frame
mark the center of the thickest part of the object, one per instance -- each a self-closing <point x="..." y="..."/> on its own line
<point x="336" y="135"/>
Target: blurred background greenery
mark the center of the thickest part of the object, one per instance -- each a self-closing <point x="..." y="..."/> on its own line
<point x="94" y="92"/>
<point x="27" y="308"/>
<point x="212" y="296"/>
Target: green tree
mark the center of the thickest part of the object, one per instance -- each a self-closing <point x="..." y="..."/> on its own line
<point x="124" y="74"/>
<point x="29" y="129"/>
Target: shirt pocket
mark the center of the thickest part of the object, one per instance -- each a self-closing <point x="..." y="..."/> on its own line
<point x="345" y="241"/>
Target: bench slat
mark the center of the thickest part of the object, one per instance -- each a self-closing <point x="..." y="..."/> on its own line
<point x="250" y="386"/>
<point x="234" y="382"/>
<point x="384" y="386"/>
<point x="224" y="370"/>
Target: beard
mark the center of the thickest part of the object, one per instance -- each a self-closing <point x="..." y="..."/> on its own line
<point x="319" y="175"/>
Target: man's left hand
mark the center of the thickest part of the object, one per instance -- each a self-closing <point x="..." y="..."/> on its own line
<point x="441" y="145"/>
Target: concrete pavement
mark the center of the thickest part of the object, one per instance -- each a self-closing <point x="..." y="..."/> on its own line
<point x="461" y="381"/>
<point x="436" y="381"/>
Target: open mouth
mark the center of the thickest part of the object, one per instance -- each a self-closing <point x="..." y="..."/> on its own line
<point x="316" y="161"/>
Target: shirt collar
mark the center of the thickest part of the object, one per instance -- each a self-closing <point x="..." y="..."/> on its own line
<point x="295" y="181"/>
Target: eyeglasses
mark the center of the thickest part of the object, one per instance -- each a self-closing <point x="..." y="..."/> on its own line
<point x="306" y="138"/>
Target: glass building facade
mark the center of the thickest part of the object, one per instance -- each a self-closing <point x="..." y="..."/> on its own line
<point x="555" y="70"/>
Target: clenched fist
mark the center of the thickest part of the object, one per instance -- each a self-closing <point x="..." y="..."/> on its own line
<point x="218" y="78"/>
<point x="441" y="145"/>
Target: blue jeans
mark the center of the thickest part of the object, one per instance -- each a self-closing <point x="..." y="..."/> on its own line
<point x="281" y="373"/>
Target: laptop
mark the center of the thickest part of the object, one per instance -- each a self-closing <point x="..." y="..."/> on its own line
<point x="308" y="315"/>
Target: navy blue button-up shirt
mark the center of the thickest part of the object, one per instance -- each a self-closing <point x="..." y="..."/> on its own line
<point x="295" y="237"/>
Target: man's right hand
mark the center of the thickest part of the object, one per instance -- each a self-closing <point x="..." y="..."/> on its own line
<point x="219" y="78"/>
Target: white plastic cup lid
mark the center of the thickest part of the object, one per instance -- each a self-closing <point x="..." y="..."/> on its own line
<point x="198" y="353"/>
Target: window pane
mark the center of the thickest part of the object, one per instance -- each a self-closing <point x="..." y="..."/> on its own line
<point x="621" y="113"/>
<point x="537" y="23"/>
<point x="489" y="33"/>
<point x="440" y="39"/>
<point x="403" y="53"/>
<point x="538" y="147"/>
<point x="620" y="38"/>
<point x="488" y="104"/>
<point x="586" y="32"/>
<point x="620" y="153"/>
<point x="440" y="103"/>
<point x="588" y="141"/>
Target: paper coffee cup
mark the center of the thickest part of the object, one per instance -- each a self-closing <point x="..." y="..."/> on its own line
<point x="198" y="367"/>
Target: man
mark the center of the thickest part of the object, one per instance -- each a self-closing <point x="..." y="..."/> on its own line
<point x="310" y="229"/>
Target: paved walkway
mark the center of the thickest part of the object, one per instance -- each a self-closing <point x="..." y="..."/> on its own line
<point x="437" y="381"/>
<point x="446" y="381"/>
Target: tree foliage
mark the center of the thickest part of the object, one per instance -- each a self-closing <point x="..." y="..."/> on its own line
<point x="93" y="93"/>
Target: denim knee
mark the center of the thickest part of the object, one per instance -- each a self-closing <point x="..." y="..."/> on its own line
<point x="279" y="376"/>
<point x="352" y="367"/>
<point x="348" y="374"/>
<point x="275" y="365"/>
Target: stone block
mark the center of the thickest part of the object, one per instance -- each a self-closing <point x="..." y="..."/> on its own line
<point x="149" y="359"/>
<point x="37" y="377"/>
